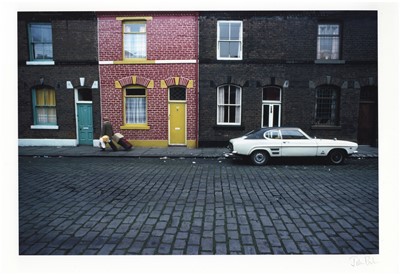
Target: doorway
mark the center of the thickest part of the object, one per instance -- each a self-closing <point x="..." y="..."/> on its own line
<point x="84" y="116"/>
<point x="271" y="107"/>
<point x="368" y="116"/>
<point x="177" y="116"/>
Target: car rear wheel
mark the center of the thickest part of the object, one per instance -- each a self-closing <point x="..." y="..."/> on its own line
<point x="336" y="157"/>
<point x="259" y="157"/>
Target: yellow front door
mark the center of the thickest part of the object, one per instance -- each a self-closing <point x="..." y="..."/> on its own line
<point x="177" y="123"/>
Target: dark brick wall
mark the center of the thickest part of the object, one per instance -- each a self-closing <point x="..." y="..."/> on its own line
<point x="75" y="56"/>
<point x="279" y="47"/>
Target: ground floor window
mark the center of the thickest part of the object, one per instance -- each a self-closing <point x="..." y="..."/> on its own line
<point x="135" y="105"/>
<point x="44" y="106"/>
<point x="229" y="99"/>
<point x="327" y="105"/>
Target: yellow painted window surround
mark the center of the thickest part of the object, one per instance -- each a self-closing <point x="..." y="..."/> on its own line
<point x="134" y="40"/>
<point x="135" y="108"/>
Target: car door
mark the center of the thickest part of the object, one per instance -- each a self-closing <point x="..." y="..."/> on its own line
<point x="296" y="143"/>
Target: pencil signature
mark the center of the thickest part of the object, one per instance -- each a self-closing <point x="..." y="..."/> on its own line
<point x="356" y="261"/>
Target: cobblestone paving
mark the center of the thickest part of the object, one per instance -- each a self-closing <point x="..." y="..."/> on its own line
<point x="196" y="206"/>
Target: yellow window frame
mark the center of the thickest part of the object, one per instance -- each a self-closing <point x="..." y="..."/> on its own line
<point x="134" y="126"/>
<point x="124" y="32"/>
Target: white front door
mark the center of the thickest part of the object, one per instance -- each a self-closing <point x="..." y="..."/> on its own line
<point x="271" y="115"/>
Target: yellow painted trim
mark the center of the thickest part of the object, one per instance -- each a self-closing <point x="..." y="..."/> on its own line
<point x="176" y="80"/>
<point x="134" y="62"/>
<point x="191" y="144"/>
<point x="147" y="18"/>
<point x="135" y="127"/>
<point x="134" y="79"/>
<point x="190" y="84"/>
<point x="151" y="84"/>
<point x="149" y="143"/>
<point x="159" y="143"/>
<point x="163" y="84"/>
<point x="118" y="84"/>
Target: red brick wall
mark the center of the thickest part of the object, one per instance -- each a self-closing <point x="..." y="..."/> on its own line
<point x="170" y="36"/>
<point x="157" y="98"/>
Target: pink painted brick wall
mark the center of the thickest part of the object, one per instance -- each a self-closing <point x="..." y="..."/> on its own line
<point x="157" y="98"/>
<point x="170" y="36"/>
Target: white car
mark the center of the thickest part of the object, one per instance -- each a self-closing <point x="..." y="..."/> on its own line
<point x="264" y="143"/>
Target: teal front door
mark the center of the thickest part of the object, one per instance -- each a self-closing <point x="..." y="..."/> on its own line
<point x="85" y="124"/>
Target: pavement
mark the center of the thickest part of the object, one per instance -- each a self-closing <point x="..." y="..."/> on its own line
<point x="149" y="152"/>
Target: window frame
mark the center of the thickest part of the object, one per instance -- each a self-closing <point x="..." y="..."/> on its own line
<point x="320" y="56"/>
<point x="334" y="106"/>
<point x="271" y="103"/>
<point x="36" y="123"/>
<point x="240" y="57"/>
<point x="219" y="105"/>
<point x="124" y="33"/>
<point x="135" y="125"/>
<point x="31" y="46"/>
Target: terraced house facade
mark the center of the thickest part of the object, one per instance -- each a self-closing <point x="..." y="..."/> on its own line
<point x="58" y="79"/>
<point x="196" y="78"/>
<point x="148" y="76"/>
<point x="316" y="70"/>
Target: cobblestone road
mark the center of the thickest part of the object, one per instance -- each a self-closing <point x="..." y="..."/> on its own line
<point x="196" y="206"/>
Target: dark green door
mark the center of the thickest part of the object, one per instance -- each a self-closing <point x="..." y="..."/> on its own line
<point x="85" y="124"/>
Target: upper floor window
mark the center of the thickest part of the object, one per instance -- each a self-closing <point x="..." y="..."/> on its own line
<point x="229" y="100"/>
<point x="44" y="106"/>
<point x="327" y="105"/>
<point x="328" y="42"/>
<point x="134" y="39"/>
<point x="230" y="40"/>
<point x="40" y="42"/>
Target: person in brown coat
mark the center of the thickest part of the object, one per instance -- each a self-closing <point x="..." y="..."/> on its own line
<point x="107" y="130"/>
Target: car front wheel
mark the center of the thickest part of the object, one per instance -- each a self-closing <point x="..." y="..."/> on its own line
<point x="259" y="157"/>
<point x="336" y="157"/>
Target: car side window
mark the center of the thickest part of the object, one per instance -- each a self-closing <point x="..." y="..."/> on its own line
<point x="272" y="134"/>
<point x="292" y="134"/>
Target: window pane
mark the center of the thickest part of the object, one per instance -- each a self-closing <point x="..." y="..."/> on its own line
<point x="135" y="92"/>
<point x="271" y="94"/>
<point x="41" y="33"/>
<point x="328" y="29"/>
<point x="234" y="49"/>
<point x="135" y="45"/>
<point x="224" y="31"/>
<point x="224" y="49"/>
<point x="135" y="28"/>
<point x="265" y="115"/>
<point x="235" y="31"/>
<point x="177" y="94"/>
<point x="135" y="110"/>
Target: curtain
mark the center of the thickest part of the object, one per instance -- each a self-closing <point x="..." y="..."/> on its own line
<point x="46" y="106"/>
<point x="135" y="110"/>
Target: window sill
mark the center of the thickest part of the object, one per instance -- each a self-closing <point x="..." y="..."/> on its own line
<point x="134" y="61"/>
<point x="135" y="127"/>
<point x="330" y="62"/>
<point x="44" y="127"/>
<point x="326" y="127"/>
<point x="229" y="127"/>
<point x="40" y="63"/>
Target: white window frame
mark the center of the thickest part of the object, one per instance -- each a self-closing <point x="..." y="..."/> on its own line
<point x="271" y="104"/>
<point x="223" y="105"/>
<point x="240" y="41"/>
